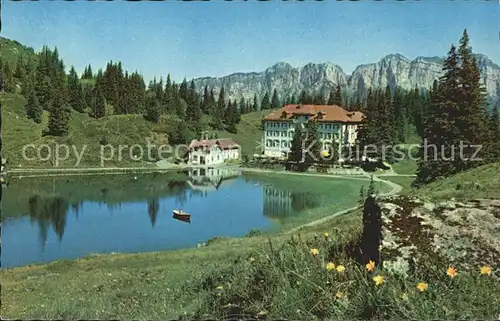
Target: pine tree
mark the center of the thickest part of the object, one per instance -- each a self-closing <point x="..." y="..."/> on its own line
<point x="243" y="108"/>
<point x="275" y="101"/>
<point x="318" y="99"/>
<point x="312" y="143"/>
<point x="296" y="153"/>
<point x="418" y="109"/>
<point x="440" y="130"/>
<point x="255" y="105"/>
<point x="206" y="101"/>
<point x="8" y="78"/>
<point x="167" y="99"/>
<point x="193" y="111"/>
<point x="99" y="104"/>
<point x="75" y="92"/>
<point x="152" y="110"/>
<point x="231" y="117"/>
<point x="331" y="97"/>
<point x="265" y="104"/>
<point x="59" y="117"/>
<point x="337" y="97"/>
<point x="472" y="117"/>
<point x="362" y="195"/>
<point x="400" y="118"/>
<point x="494" y="139"/>
<point x="20" y="72"/>
<point x="34" y="109"/>
<point x="371" y="187"/>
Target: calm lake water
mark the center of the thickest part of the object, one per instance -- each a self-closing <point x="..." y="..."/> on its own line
<point x="67" y="217"/>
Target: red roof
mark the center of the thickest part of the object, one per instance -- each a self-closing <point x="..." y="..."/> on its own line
<point x="224" y="143"/>
<point x="329" y="113"/>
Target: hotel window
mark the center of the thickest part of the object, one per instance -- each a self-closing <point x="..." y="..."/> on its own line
<point x="277" y="133"/>
<point x="283" y="134"/>
<point x="268" y="143"/>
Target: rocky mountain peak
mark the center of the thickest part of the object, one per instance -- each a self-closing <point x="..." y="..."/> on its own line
<point x="393" y="70"/>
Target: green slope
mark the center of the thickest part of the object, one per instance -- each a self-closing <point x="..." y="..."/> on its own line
<point x="11" y="50"/>
<point x="481" y="182"/>
<point x="126" y="130"/>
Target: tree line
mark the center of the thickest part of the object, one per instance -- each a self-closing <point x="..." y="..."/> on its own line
<point x="452" y="113"/>
<point x="453" y="110"/>
<point x="458" y="115"/>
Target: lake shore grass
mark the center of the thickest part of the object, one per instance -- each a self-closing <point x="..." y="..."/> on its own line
<point x="133" y="286"/>
<point x="97" y="286"/>
<point x="268" y="277"/>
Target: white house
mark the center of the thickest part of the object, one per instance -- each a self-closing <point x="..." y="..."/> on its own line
<point x="335" y="124"/>
<point x="213" y="151"/>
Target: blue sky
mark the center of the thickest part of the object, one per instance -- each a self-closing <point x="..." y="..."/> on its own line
<point x="194" y="39"/>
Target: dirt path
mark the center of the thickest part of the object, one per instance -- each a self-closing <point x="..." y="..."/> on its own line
<point x="396" y="188"/>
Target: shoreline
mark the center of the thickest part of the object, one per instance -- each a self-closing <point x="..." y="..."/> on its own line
<point x="396" y="188"/>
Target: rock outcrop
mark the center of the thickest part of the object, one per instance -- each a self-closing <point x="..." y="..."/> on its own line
<point x="465" y="234"/>
<point x="394" y="69"/>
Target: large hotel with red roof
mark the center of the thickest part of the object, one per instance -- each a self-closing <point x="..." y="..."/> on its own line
<point x="335" y="124"/>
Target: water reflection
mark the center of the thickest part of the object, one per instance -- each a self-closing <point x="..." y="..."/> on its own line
<point x="50" y="211"/>
<point x="281" y="202"/>
<point x="153" y="208"/>
<point x="211" y="179"/>
<point x="121" y="213"/>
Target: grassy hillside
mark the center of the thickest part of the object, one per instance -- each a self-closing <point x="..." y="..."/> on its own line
<point x="10" y="50"/>
<point x="476" y="183"/>
<point x="273" y="278"/>
<point x="481" y="182"/>
<point x="19" y="131"/>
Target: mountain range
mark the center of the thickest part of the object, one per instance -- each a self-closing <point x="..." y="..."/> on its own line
<point x="393" y="70"/>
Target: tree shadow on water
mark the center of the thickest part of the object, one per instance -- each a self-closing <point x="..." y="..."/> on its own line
<point x="48" y="211"/>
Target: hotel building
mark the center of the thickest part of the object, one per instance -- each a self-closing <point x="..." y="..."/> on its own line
<point x="335" y="124"/>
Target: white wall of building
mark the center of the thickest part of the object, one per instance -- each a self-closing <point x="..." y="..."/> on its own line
<point x="278" y="135"/>
<point x="214" y="156"/>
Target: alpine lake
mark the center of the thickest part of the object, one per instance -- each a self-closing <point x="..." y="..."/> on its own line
<point x="67" y="217"/>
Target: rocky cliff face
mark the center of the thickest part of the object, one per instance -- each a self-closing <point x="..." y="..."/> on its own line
<point x="394" y="69"/>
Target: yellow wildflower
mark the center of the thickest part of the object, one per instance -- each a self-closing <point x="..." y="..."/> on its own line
<point x="452" y="272"/>
<point x="326" y="236"/>
<point x="370" y="266"/>
<point x="314" y="252"/>
<point x="379" y="279"/>
<point x="422" y="286"/>
<point x="339" y="295"/>
<point x="340" y="268"/>
<point x="220" y="287"/>
<point x="404" y="296"/>
<point x="330" y="266"/>
<point x="485" y="270"/>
